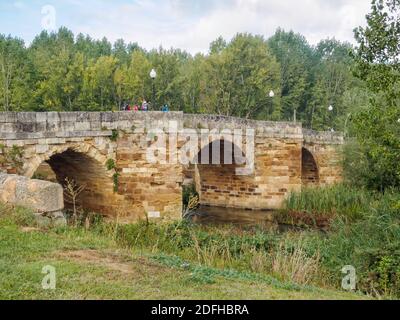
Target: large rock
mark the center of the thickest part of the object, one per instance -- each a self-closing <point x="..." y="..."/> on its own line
<point x="41" y="196"/>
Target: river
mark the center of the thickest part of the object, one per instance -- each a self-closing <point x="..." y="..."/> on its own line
<point x="207" y="215"/>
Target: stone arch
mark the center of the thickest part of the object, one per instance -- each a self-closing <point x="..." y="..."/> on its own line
<point x="219" y="184"/>
<point x="309" y="168"/>
<point x="32" y="164"/>
<point x="86" y="166"/>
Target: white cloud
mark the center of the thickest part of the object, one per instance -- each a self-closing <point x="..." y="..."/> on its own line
<point x="193" y="24"/>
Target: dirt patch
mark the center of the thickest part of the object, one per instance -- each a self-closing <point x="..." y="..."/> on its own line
<point x="30" y="229"/>
<point x="113" y="260"/>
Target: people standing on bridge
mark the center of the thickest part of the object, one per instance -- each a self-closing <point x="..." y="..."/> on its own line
<point x="165" y="108"/>
<point x="145" y="106"/>
<point x="136" y="108"/>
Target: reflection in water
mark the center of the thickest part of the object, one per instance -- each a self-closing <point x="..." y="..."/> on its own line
<point x="233" y="216"/>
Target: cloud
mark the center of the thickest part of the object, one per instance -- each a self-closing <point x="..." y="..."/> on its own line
<point x="193" y="24"/>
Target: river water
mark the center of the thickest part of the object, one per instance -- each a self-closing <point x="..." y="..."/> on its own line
<point x="206" y="215"/>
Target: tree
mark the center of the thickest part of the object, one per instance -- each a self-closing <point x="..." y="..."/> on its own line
<point x="56" y="69"/>
<point x="98" y="84"/>
<point x="295" y="56"/>
<point x="240" y="77"/>
<point x="193" y="81"/>
<point x="16" y="75"/>
<point x="332" y="79"/>
<point x="168" y="64"/>
<point x="132" y="80"/>
<point x="377" y="128"/>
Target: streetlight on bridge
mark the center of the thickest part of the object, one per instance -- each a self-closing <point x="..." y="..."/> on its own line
<point x="330" y="109"/>
<point x="271" y="96"/>
<point x="153" y="76"/>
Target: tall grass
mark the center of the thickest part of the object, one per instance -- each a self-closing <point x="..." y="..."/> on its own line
<point x="338" y="200"/>
<point x="224" y="247"/>
<point x="364" y="232"/>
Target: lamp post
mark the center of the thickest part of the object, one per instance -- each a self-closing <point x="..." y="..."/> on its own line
<point x="330" y="109"/>
<point x="271" y="96"/>
<point x="153" y="76"/>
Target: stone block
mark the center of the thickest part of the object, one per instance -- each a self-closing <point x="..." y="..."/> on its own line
<point x="26" y="117"/>
<point x="42" y="148"/>
<point x="68" y="116"/>
<point x="41" y="117"/>
<point x="82" y="126"/>
<point x="40" y="196"/>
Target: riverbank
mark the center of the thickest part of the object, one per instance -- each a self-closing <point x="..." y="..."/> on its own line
<point x="99" y="263"/>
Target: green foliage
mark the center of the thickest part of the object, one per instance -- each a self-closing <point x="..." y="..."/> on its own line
<point x="364" y="233"/>
<point x="18" y="215"/>
<point x="188" y="191"/>
<point x="114" y="135"/>
<point x="181" y="236"/>
<point x="240" y="77"/>
<point x="116" y="181"/>
<point x="16" y="75"/>
<point x="295" y="56"/>
<point x="338" y="200"/>
<point x="377" y="127"/>
<point x="12" y="156"/>
<point x="110" y="164"/>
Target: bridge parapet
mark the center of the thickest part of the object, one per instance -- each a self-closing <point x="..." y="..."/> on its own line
<point x="322" y="137"/>
<point x="261" y="128"/>
<point x="39" y="125"/>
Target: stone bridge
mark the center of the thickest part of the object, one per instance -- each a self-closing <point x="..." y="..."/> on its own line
<point x="108" y="153"/>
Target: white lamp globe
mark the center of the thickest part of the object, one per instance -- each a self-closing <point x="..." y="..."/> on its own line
<point x="153" y="74"/>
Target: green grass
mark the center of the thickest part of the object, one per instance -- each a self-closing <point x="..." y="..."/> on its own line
<point x="97" y="264"/>
<point x="364" y="232"/>
<point x="341" y="199"/>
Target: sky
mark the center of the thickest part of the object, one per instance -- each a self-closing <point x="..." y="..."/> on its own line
<point x="186" y="24"/>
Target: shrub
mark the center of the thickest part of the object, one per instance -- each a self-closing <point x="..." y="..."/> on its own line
<point x="329" y="202"/>
<point x="188" y="192"/>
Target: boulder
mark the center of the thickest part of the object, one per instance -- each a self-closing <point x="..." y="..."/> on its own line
<point x="43" y="197"/>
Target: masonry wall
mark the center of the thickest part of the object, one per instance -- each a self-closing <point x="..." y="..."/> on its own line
<point x="309" y="169"/>
<point x="277" y="172"/>
<point x="81" y="144"/>
<point x="326" y="149"/>
<point x="277" y="164"/>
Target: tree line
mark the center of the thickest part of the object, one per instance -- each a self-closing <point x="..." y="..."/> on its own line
<point x="61" y="72"/>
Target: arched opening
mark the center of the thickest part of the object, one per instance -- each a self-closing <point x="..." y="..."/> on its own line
<point x="86" y="172"/>
<point x="309" y="169"/>
<point x="217" y="178"/>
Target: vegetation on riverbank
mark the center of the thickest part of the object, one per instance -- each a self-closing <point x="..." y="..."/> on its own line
<point x="107" y="261"/>
<point x="363" y="231"/>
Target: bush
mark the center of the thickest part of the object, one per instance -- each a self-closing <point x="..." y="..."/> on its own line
<point x="188" y="191"/>
<point x="340" y="200"/>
